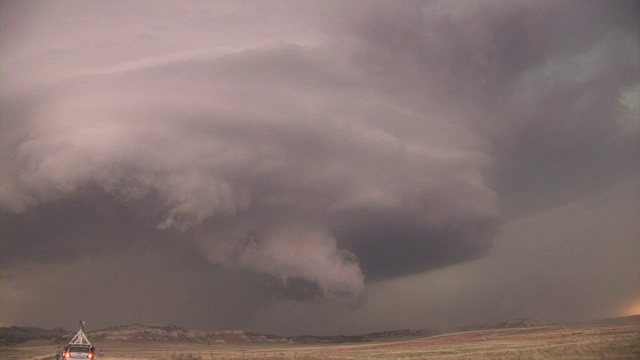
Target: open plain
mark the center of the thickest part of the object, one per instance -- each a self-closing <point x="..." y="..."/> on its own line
<point x="616" y="341"/>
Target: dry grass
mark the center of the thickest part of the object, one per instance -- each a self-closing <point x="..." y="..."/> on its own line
<point x="587" y="342"/>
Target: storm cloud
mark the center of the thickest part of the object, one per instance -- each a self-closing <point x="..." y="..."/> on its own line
<point x="306" y="150"/>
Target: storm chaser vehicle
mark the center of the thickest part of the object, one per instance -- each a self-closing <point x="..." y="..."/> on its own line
<point x="79" y="347"/>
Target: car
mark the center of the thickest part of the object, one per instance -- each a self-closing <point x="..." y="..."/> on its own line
<point x="78" y="351"/>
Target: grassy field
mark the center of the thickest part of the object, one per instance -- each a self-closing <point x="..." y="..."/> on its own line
<point x="552" y="342"/>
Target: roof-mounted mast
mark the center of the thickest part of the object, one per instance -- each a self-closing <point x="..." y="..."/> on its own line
<point x="80" y="337"/>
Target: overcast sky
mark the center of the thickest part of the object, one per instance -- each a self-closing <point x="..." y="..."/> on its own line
<point x="319" y="167"/>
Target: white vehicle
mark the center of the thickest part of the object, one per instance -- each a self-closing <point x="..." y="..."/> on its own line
<point x="78" y="352"/>
<point x="79" y="347"/>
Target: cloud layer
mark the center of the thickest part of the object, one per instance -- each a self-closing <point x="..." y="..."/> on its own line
<point x="324" y="146"/>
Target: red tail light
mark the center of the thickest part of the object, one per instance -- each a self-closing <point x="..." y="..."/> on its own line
<point x="90" y="355"/>
<point x="67" y="354"/>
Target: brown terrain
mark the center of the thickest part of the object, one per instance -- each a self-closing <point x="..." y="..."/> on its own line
<point x="517" y="339"/>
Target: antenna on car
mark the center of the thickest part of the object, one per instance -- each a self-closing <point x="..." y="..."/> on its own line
<point x="80" y="338"/>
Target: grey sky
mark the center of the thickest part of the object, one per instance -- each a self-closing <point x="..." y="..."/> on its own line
<point x="319" y="167"/>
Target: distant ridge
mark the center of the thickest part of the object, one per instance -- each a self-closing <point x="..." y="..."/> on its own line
<point x="15" y="335"/>
<point x="384" y="335"/>
<point x="526" y="322"/>
<point x="171" y="333"/>
<point x="515" y="323"/>
<point x="166" y="333"/>
<point x="521" y="323"/>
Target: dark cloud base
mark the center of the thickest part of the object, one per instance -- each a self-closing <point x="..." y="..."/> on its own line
<point x="93" y="223"/>
<point x="388" y="245"/>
